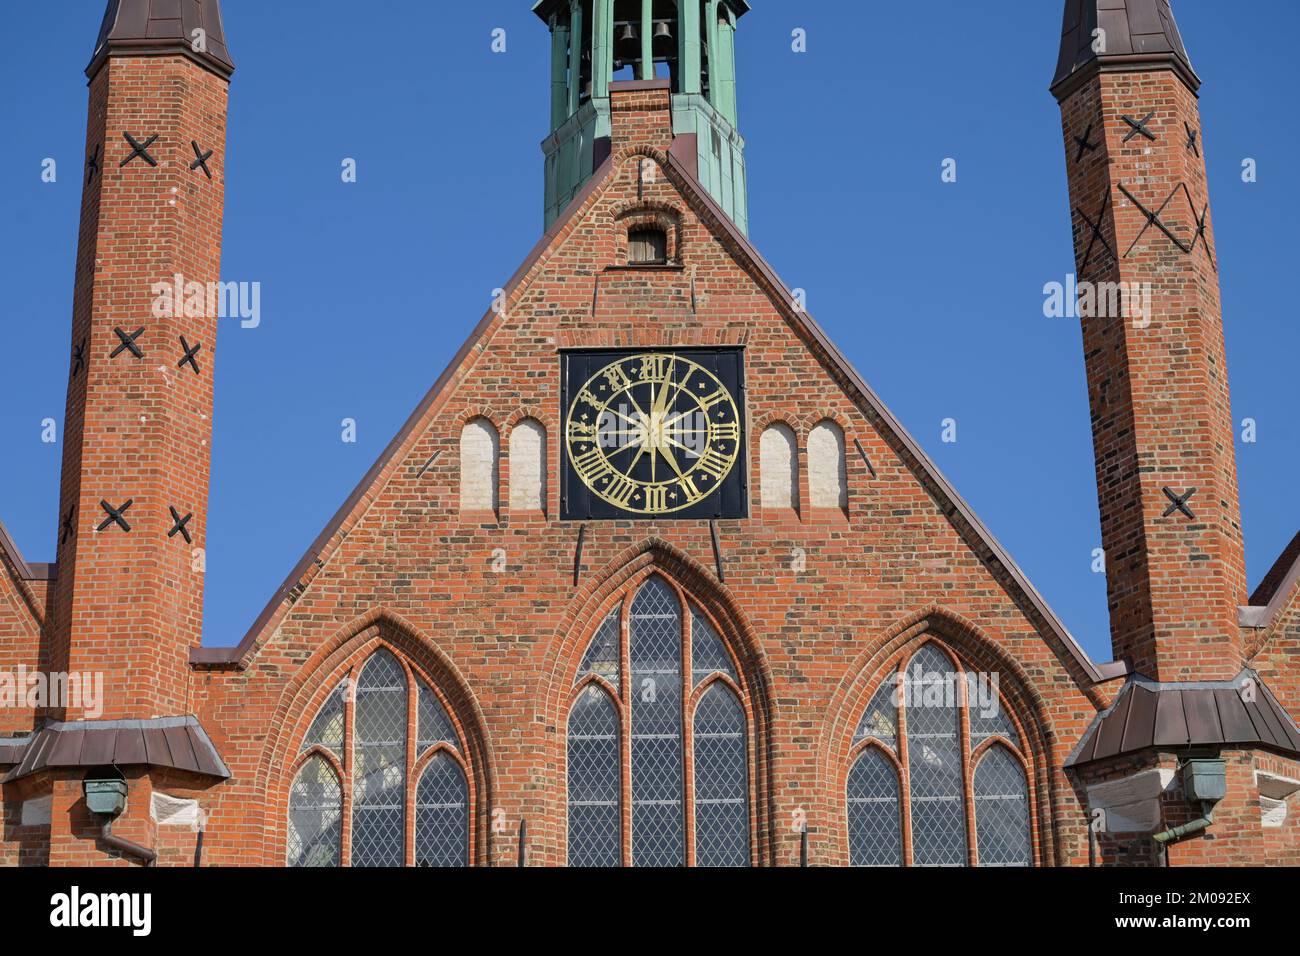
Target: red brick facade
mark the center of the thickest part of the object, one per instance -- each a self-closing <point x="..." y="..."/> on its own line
<point x="817" y="606"/>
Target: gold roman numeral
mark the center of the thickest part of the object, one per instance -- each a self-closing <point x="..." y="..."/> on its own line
<point x="656" y="499"/>
<point x="715" y="463"/>
<point x="717" y="398"/>
<point x="728" y="431"/>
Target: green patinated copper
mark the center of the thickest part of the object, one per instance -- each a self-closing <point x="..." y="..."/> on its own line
<point x="704" y="102"/>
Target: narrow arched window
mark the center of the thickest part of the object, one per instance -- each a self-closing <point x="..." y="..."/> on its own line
<point x="934" y="761"/>
<point x="680" y="674"/>
<point x="528" y="466"/>
<point x="921" y="734"/>
<point x="1002" y="810"/>
<point x="779" y="467"/>
<point x="875" y="833"/>
<point x="315" y="815"/>
<point x="410" y="799"/>
<point x="379" y="764"/>
<point x="595" y="811"/>
<point x="442" y="814"/>
<point x="480" y="447"/>
<point x="721" y="780"/>
<point x="828" y="484"/>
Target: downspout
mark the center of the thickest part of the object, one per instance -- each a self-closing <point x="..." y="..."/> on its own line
<point x="1201" y="823"/>
<point x="140" y="853"/>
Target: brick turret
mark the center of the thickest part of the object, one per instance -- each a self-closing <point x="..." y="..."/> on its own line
<point x="1157" y="379"/>
<point x="134" y="492"/>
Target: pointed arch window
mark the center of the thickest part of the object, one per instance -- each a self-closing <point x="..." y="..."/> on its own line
<point x="935" y="750"/>
<point x="405" y="788"/>
<point x="658" y="712"/>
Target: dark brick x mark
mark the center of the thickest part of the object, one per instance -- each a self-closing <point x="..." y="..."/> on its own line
<point x="1139" y="127"/>
<point x="92" y="164"/>
<point x="189" y="357"/>
<point x="69" y="529"/>
<point x="140" y="149"/>
<point x="115" y="515"/>
<point x="1201" y="227"/>
<point x="1153" y="219"/>
<point x="78" y="357"/>
<point x="202" y="161"/>
<point x="179" y="526"/>
<point x="1085" y="143"/>
<point x="1096" y="232"/>
<point x="1179" y="502"/>
<point x="128" y="343"/>
<point x="1191" y="139"/>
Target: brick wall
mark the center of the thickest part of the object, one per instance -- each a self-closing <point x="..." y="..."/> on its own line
<point x="407" y="568"/>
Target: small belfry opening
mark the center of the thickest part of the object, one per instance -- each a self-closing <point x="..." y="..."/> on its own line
<point x="647" y="246"/>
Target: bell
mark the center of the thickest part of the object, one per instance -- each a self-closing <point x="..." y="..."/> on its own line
<point x="629" y="43"/>
<point x="663" y="39"/>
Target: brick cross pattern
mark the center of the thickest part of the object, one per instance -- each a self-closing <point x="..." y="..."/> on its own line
<point x="1139" y="127"/>
<point x="128" y="343"/>
<point x="179" y="525"/>
<point x="69" y="529"/>
<point x="92" y="164"/>
<point x="1096" y="232"/>
<point x="189" y="357"/>
<point x="1086" y="145"/>
<point x="139" y="149"/>
<point x="115" y="515"/>
<point x="1201" y="219"/>
<point x="201" y="160"/>
<point x="78" y="357"/>
<point x="1191" y="139"/>
<point x="1179" y="502"/>
<point x="1153" y="219"/>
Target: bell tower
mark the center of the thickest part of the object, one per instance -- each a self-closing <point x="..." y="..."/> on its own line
<point x="691" y="43"/>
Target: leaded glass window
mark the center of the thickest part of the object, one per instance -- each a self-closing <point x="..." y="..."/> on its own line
<point x="379" y="769"/>
<point x="657" y="633"/>
<point x="442" y="814"/>
<point x="917" y="715"/>
<point x="595" y="811"/>
<point x="655" y="654"/>
<point x="875" y="828"/>
<point x="721" y="782"/>
<point x="935" y="761"/>
<point x="315" y="815"/>
<point x="1002" y="810"/>
<point x="393" y="808"/>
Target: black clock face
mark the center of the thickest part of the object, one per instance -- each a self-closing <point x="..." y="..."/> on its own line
<point x="654" y="434"/>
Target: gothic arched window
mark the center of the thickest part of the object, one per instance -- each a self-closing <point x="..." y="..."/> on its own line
<point x="407" y="793"/>
<point x="921" y="734"/>
<point x="658" y="676"/>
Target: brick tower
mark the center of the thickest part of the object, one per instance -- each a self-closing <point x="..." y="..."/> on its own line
<point x="1157" y="380"/>
<point x="134" y="489"/>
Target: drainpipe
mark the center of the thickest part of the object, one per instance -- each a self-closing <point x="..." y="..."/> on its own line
<point x="1205" y="780"/>
<point x="140" y="853"/>
<point x="1187" y="829"/>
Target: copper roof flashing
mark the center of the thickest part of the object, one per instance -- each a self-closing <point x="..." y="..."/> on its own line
<point x="1119" y="36"/>
<point x="191" y="28"/>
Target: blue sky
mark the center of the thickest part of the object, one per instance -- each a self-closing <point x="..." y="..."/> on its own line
<point x="933" y="290"/>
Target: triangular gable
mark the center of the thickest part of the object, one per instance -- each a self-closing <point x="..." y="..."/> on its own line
<point x="972" y="530"/>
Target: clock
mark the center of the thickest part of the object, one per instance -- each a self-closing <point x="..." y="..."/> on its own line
<point x="654" y="434"/>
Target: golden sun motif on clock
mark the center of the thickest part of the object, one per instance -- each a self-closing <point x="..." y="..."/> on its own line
<point x="653" y="434"/>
